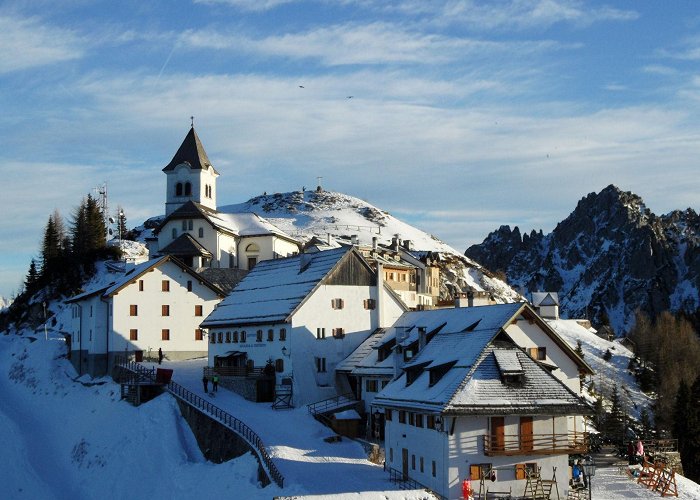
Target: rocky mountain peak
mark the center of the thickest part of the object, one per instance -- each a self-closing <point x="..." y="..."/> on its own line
<point x="609" y="257"/>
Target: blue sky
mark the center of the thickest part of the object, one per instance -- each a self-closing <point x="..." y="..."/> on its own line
<point x="465" y="115"/>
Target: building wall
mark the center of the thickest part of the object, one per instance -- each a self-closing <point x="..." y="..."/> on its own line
<point x="269" y="247"/>
<point x="149" y="323"/>
<point x="455" y="452"/>
<point x="198" y="178"/>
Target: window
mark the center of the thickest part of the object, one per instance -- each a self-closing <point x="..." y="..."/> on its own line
<point x="174" y="233"/>
<point x="384" y="383"/>
<point x="140" y="285"/>
<point x="258" y="336"/>
<point x="243" y="336"/>
<point x="370" y="386"/>
<point x="337" y="303"/>
<point x="133" y="310"/>
<point x="212" y="338"/>
<point x="165" y="285"/>
<point x="411" y="418"/>
<point x="476" y="471"/>
<point x="190" y="224"/>
<point x="370" y="304"/>
<point x="188" y="189"/>
<point x="91" y="311"/>
<point x="434" y="468"/>
<point x="133" y="334"/>
<point x="538" y="353"/>
<point x="391" y="454"/>
<point x="200" y="232"/>
<point x="165" y="334"/>
<point x="413" y="462"/>
<point x="430" y="422"/>
<point x="235" y="336"/>
<point x="178" y="189"/>
<point x="283" y="334"/>
<point x="321" y="365"/>
<point x="189" y="285"/>
<point x="228" y="337"/>
<point x="338" y="333"/>
<point x="198" y="334"/>
<point x="220" y="337"/>
<point x="184" y="225"/>
<point x="279" y="365"/>
<point x="165" y="310"/>
<point x="198" y="310"/>
<point x="419" y="420"/>
<point x="421" y="464"/>
<point x="402" y="417"/>
<point x="320" y="333"/>
<point x="522" y="470"/>
<point x="387" y="415"/>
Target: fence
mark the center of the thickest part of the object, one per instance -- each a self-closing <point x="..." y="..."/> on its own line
<point x="406" y="483"/>
<point x="217" y="413"/>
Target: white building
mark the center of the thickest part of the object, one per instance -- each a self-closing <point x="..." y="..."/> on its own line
<point x="157" y="304"/>
<point x="305" y="314"/>
<point x="479" y="389"/>
<point x="200" y="235"/>
<point x="546" y="304"/>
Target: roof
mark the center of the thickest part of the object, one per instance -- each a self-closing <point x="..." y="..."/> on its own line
<point x="185" y="245"/>
<point x="143" y="268"/>
<point x="191" y="152"/>
<point x="476" y="386"/>
<point x="545" y="299"/>
<point x="364" y="361"/>
<point x="274" y="289"/>
<point x="88" y="293"/>
<point x="247" y="224"/>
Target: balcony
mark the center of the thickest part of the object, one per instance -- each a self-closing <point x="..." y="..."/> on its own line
<point x="535" y="444"/>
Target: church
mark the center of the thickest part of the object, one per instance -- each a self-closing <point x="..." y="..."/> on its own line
<point x="199" y="235"/>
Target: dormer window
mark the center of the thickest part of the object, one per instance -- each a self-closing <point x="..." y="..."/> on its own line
<point x="437" y="372"/>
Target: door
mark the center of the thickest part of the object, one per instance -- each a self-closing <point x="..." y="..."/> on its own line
<point x="404" y="463"/>
<point x="526" y="433"/>
<point x="139" y="356"/>
<point x="497" y="433"/>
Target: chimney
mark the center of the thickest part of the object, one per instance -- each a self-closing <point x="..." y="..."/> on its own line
<point x="355" y="240"/>
<point x="380" y="295"/>
<point x="328" y="238"/>
<point x="422" y="338"/>
<point x="407" y="244"/>
<point x="395" y="243"/>
<point x="374" y="242"/>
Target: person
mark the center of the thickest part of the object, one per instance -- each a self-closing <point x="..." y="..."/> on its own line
<point x="640" y="451"/>
<point x="215" y="383"/>
<point x="631" y="453"/>
<point x="205" y="381"/>
<point x="160" y="355"/>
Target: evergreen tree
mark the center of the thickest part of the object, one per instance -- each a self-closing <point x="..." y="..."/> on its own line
<point x="615" y="419"/>
<point x="32" y="283"/>
<point x="691" y="461"/>
<point x="50" y="251"/>
<point x="121" y="224"/>
<point x="681" y="418"/>
<point x="645" y="422"/>
<point x="579" y="350"/>
<point x="608" y="355"/>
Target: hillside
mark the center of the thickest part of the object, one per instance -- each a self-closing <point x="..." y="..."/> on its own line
<point x="610" y="256"/>
<point x="305" y="214"/>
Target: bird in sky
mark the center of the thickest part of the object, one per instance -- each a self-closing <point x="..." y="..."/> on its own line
<point x="350" y="97"/>
<point x="301" y="86"/>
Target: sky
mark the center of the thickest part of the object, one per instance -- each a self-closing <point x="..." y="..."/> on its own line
<point x="455" y="116"/>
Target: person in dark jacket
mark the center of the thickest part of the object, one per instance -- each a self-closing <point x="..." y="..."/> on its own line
<point x="205" y="381"/>
<point x="160" y="355"/>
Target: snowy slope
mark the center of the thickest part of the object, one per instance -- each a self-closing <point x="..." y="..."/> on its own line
<point x="305" y="214"/>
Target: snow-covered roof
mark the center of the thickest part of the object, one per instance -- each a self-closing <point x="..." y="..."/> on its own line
<point x="273" y="289"/>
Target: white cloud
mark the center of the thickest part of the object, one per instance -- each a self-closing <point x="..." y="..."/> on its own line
<point x="27" y="43"/>
<point x="249" y="5"/>
<point x="356" y="44"/>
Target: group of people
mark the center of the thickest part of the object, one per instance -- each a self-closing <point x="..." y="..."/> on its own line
<point x="214" y="383"/>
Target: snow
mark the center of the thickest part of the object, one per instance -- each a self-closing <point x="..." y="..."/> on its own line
<point x="65" y="437"/>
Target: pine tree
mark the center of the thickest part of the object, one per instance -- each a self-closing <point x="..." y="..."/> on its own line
<point x="691" y="460"/>
<point x="615" y="419"/>
<point x="50" y="251"/>
<point x="681" y="418"/>
<point x="32" y="283"/>
<point x="121" y="224"/>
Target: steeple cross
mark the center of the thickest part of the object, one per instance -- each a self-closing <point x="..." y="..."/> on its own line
<point x="192" y="121"/>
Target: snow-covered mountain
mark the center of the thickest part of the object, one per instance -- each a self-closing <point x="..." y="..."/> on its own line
<point x="4" y="303"/>
<point x="305" y="214"/>
<point x="611" y="256"/>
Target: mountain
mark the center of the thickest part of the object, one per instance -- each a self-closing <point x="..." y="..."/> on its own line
<point x="609" y="257"/>
<point x="328" y="214"/>
<point x="4" y="303"/>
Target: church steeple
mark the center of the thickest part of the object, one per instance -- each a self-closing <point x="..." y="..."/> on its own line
<point x="190" y="175"/>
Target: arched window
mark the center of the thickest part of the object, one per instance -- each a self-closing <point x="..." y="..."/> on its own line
<point x="252" y="248"/>
<point x="188" y="189"/>
<point x="178" y="189"/>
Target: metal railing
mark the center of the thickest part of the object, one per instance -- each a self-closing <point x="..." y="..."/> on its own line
<point x="535" y="444"/>
<point x="217" y="413"/>
<point x="326" y="405"/>
<point x="234" y="371"/>
<point x="406" y="483"/>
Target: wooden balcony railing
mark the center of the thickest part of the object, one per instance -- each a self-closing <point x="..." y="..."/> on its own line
<point x="536" y="444"/>
<point x="234" y="371"/>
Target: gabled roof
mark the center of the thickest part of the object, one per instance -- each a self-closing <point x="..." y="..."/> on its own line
<point x="545" y="299"/>
<point x="274" y="289"/>
<point x="191" y="152"/>
<point x="246" y="224"/>
<point x="185" y="245"/>
<point x="143" y="268"/>
<point x="478" y="387"/>
<point x="365" y="356"/>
